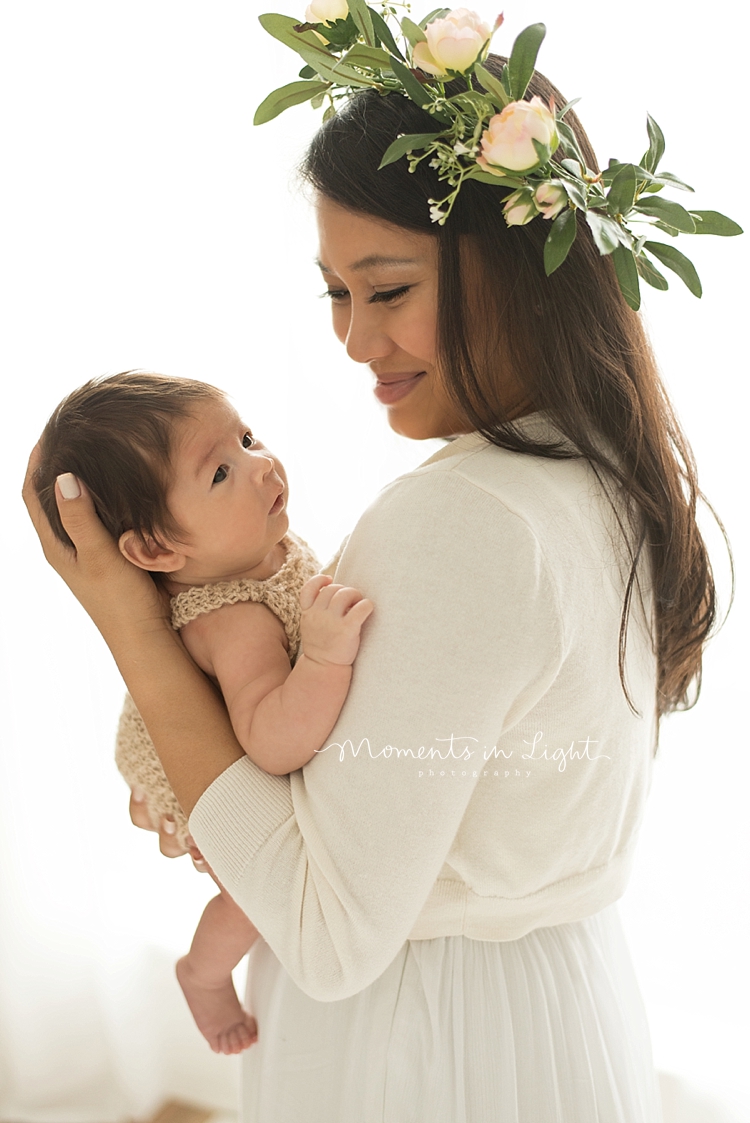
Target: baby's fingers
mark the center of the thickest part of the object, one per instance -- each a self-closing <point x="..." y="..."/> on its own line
<point x="311" y="588"/>
<point x="360" y="611"/>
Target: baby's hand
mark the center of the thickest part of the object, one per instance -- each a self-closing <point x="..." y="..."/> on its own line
<point x="332" y="619"/>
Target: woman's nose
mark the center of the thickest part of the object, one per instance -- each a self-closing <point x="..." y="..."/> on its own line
<point x="365" y="338"/>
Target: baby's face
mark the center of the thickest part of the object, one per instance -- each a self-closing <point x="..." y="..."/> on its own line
<point x="225" y="495"/>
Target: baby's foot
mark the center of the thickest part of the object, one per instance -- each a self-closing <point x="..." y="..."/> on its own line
<point x="216" y="1010"/>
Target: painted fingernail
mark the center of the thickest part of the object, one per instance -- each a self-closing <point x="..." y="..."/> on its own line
<point x="138" y="795"/>
<point x="169" y="826"/>
<point x="69" y="486"/>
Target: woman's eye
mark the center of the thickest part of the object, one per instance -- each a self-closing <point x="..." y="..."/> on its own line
<point x="389" y="294"/>
<point x="220" y="475"/>
<point x="248" y="440"/>
<point x="335" y="294"/>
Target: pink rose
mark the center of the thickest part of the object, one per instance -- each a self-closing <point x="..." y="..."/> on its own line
<point x="326" y="11"/>
<point x="550" y="198"/>
<point x="519" y="208"/>
<point x="454" y="43"/>
<point x="507" y="142"/>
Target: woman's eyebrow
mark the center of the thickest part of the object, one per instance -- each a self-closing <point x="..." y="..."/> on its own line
<point x="372" y="261"/>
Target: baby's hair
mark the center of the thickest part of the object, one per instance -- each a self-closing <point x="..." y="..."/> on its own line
<point x="116" y="433"/>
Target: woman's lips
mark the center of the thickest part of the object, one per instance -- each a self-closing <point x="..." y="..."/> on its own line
<point x="388" y="392"/>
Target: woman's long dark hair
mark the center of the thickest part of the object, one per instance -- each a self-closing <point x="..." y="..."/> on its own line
<point x="569" y="341"/>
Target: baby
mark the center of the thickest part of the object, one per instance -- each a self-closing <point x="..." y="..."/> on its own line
<point x="195" y="498"/>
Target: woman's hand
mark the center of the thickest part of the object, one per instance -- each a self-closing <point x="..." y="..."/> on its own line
<point x="118" y="596"/>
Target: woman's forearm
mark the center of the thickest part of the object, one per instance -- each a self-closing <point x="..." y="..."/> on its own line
<point x="184" y="714"/>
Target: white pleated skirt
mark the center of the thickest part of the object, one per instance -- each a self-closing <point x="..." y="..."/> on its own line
<point x="550" y="1028"/>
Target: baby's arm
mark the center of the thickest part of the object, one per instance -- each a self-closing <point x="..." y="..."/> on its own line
<point x="280" y="714"/>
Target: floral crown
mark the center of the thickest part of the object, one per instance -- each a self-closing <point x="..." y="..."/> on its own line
<point x="490" y="133"/>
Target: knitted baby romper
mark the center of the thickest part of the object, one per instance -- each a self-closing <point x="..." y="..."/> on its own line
<point x="135" y="755"/>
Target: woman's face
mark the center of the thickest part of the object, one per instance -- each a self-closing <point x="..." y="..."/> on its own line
<point x="383" y="286"/>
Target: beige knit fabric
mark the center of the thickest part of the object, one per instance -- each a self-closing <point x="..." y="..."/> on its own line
<point x="135" y="755"/>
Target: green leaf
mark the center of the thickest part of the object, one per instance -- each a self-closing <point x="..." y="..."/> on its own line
<point x="491" y="84"/>
<point x="292" y="94"/>
<point x="576" y="192"/>
<point x="568" y="105"/>
<point x="605" y="230"/>
<point x="627" y="276"/>
<point x="559" y="240"/>
<point x="678" y="263"/>
<point x="311" y="50"/>
<point x="505" y="79"/>
<point x="307" y="72"/>
<point x="622" y="192"/>
<point x="568" y="143"/>
<point x="495" y="180"/>
<point x="523" y="58"/>
<point x="711" y="222"/>
<point x="418" y="93"/>
<point x="656" y="145"/>
<point x="669" y="180"/>
<point x="671" y="230"/>
<point x="650" y="274"/>
<point x="412" y="31"/>
<point x="403" y="144"/>
<point x="671" y="213"/>
<point x="368" y="57"/>
<point x="542" y="151"/>
<point x="383" y="32"/>
<point x="572" y="166"/>
<point x="360" y="13"/>
<point x="436" y="13"/>
<point x="318" y="100"/>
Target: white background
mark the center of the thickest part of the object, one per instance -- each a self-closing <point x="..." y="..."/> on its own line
<point x="146" y="223"/>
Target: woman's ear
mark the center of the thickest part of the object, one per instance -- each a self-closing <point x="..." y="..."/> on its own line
<point x="149" y="554"/>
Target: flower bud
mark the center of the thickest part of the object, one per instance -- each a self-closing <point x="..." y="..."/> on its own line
<point x="453" y="43"/>
<point x="550" y="199"/>
<point x="326" y="11"/>
<point x="519" y="208"/>
<point x="508" y="139"/>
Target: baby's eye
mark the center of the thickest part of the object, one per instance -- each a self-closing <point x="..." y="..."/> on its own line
<point x="220" y="475"/>
<point x="248" y="437"/>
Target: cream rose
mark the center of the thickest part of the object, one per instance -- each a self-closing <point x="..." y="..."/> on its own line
<point x="507" y="140"/>
<point x="326" y="11"/>
<point x="550" y="198"/>
<point x="454" y="43"/>
<point x="519" y="208"/>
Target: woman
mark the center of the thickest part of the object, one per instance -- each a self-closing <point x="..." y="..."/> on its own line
<point x="437" y="892"/>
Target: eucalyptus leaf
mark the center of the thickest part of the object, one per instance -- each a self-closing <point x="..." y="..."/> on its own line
<point x="650" y="274"/>
<point x="491" y="84"/>
<point x="307" y="72"/>
<point x="656" y="145"/>
<point x="418" y="93"/>
<point x="383" y="32"/>
<point x="670" y="180"/>
<point x="559" y="240"/>
<point x="496" y="180"/>
<point x="360" y="13"/>
<point x="505" y="79"/>
<point x="523" y="58"/>
<point x="311" y="50"/>
<point x="621" y="194"/>
<point x="372" y="57"/>
<point x="712" y="222"/>
<point x="412" y="31"/>
<point x="572" y="166"/>
<point x="605" y="231"/>
<point x="568" y="105"/>
<point x="318" y="100"/>
<point x="575" y="191"/>
<point x="403" y="144"/>
<point x="671" y="213"/>
<point x="568" y="143"/>
<point x="292" y="94"/>
<point x="678" y="263"/>
<point x="671" y="230"/>
<point x="627" y="276"/>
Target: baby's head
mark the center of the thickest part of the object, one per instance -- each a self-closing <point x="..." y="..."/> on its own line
<point x="176" y="476"/>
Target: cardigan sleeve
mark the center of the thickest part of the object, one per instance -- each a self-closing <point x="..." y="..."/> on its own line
<point x="334" y="862"/>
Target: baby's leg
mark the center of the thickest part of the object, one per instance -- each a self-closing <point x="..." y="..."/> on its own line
<point x="224" y="934"/>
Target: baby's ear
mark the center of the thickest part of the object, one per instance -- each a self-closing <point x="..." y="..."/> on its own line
<point x="149" y="554"/>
